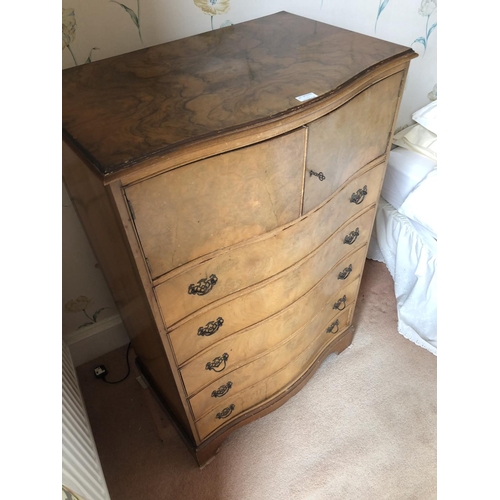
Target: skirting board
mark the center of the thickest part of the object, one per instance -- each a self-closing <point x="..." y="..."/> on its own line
<point x="95" y="340"/>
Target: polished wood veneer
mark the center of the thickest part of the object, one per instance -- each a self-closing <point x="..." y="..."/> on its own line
<point x="253" y="306"/>
<point x="230" y="219"/>
<point x="172" y="219"/>
<point x="128" y="108"/>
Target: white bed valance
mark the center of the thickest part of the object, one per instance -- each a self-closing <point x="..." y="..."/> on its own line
<point x="410" y="254"/>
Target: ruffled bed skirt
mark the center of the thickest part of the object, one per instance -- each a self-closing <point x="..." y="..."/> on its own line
<point x="410" y="257"/>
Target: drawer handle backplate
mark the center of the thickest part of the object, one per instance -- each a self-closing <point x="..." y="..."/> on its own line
<point x="214" y="365"/>
<point x="333" y="326"/>
<point x="210" y="328"/>
<point x="222" y="390"/>
<point x="203" y="286"/>
<point x="225" y="412"/>
<point x="359" y="195"/>
<point x="345" y="273"/>
<point x="319" y="175"/>
<point x="340" y="304"/>
<point x="352" y="237"/>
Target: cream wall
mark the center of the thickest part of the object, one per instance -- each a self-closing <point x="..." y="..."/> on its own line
<point x="108" y="27"/>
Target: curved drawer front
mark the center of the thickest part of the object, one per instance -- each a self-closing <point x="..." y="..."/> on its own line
<point x="214" y="203"/>
<point x="243" y="346"/>
<point x="348" y="138"/>
<point x="284" y="374"/>
<point x="258" y="303"/>
<point x="262" y="338"/>
<point x="256" y="261"/>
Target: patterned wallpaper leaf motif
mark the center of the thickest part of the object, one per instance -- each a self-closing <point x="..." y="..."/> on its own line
<point x="80" y="304"/>
<point x="89" y="59"/>
<point x="213" y="8"/>
<point x="433" y="94"/>
<point x="136" y="17"/>
<point x="68" y="30"/>
<point x="427" y="8"/>
<point x="382" y="5"/>
<point x="69" y="33"/>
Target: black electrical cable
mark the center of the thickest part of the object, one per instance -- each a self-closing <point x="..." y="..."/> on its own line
<point x="128" y="369"/>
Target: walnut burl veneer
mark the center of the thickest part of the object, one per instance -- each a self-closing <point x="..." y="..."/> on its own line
<point x="230" y="218"/>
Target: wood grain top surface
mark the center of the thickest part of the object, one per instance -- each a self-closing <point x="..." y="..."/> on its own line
<point x="122" y="110"/>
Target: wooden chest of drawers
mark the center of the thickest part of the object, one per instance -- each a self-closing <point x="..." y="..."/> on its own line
<point x="231" y="219"/>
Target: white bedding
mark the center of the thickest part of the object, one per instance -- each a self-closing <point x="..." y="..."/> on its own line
<point x="405" y="169"/>
<point x="407" y="247"/>
<point x="411" y="257"/>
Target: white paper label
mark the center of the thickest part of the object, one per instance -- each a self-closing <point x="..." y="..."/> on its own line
<point x="306" y="97"/>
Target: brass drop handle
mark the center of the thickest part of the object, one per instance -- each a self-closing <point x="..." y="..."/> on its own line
<point x="334" y="327"/>
<point x="225" y="412"/>
<point x="340" y="304"/>
<point x="359" y="195"/>
<point x="203" y="286"/>
<point x="215" y="364"/>
<point x="351" y="237"/>
<point x="345" y="273"/>
<point x="210" y="328"/>
<point x="222" y="390"/>
<point x="319" y="175"/>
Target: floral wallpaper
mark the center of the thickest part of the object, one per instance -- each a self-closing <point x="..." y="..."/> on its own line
<point x="427" y="9"/>
<point x="135" y="16"/>
<point x="214" y="8"/>
<point x="86" y="298"/>
<point x="81" y="305"/>
<point x="69" y="33"/>
<point x="97" y="29"/>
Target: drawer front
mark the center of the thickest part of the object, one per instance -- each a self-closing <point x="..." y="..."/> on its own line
<point x="231" y="315"/>
<point x="256" y="261"/>
<point x="214" y="203"/>
<point x="243" y="346"/>
<point x="282" y="369"/>
<point x="256" y="341"/>
<point x="349" y="138"/>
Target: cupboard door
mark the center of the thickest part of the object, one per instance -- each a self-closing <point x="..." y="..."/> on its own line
<point x="219" y="201"/>
<point x="347" y="139"/>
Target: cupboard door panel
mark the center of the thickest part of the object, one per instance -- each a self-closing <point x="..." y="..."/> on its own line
<point x="214" y="203"/>
<point x="347" y="139"/>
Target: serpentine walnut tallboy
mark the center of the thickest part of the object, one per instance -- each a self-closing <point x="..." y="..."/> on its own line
<point x="229" y="213"/>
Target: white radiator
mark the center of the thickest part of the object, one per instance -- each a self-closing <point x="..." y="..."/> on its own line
<point x="81" y="467"/>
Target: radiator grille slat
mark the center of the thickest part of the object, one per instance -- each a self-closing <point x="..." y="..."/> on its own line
<point x="81" y="467"/>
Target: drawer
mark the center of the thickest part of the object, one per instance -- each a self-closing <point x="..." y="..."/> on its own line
<point x="279" y="370"/>
<point x="347" y="139"/>
<point x="239" y="348"/>
<point x="214" y="203"/>
<point x="269" y="334"/>
<point x="255" y="304"/>
<point x="248" y="264"/>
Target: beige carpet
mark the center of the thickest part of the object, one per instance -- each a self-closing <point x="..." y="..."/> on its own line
<point x="364" y="427"/>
